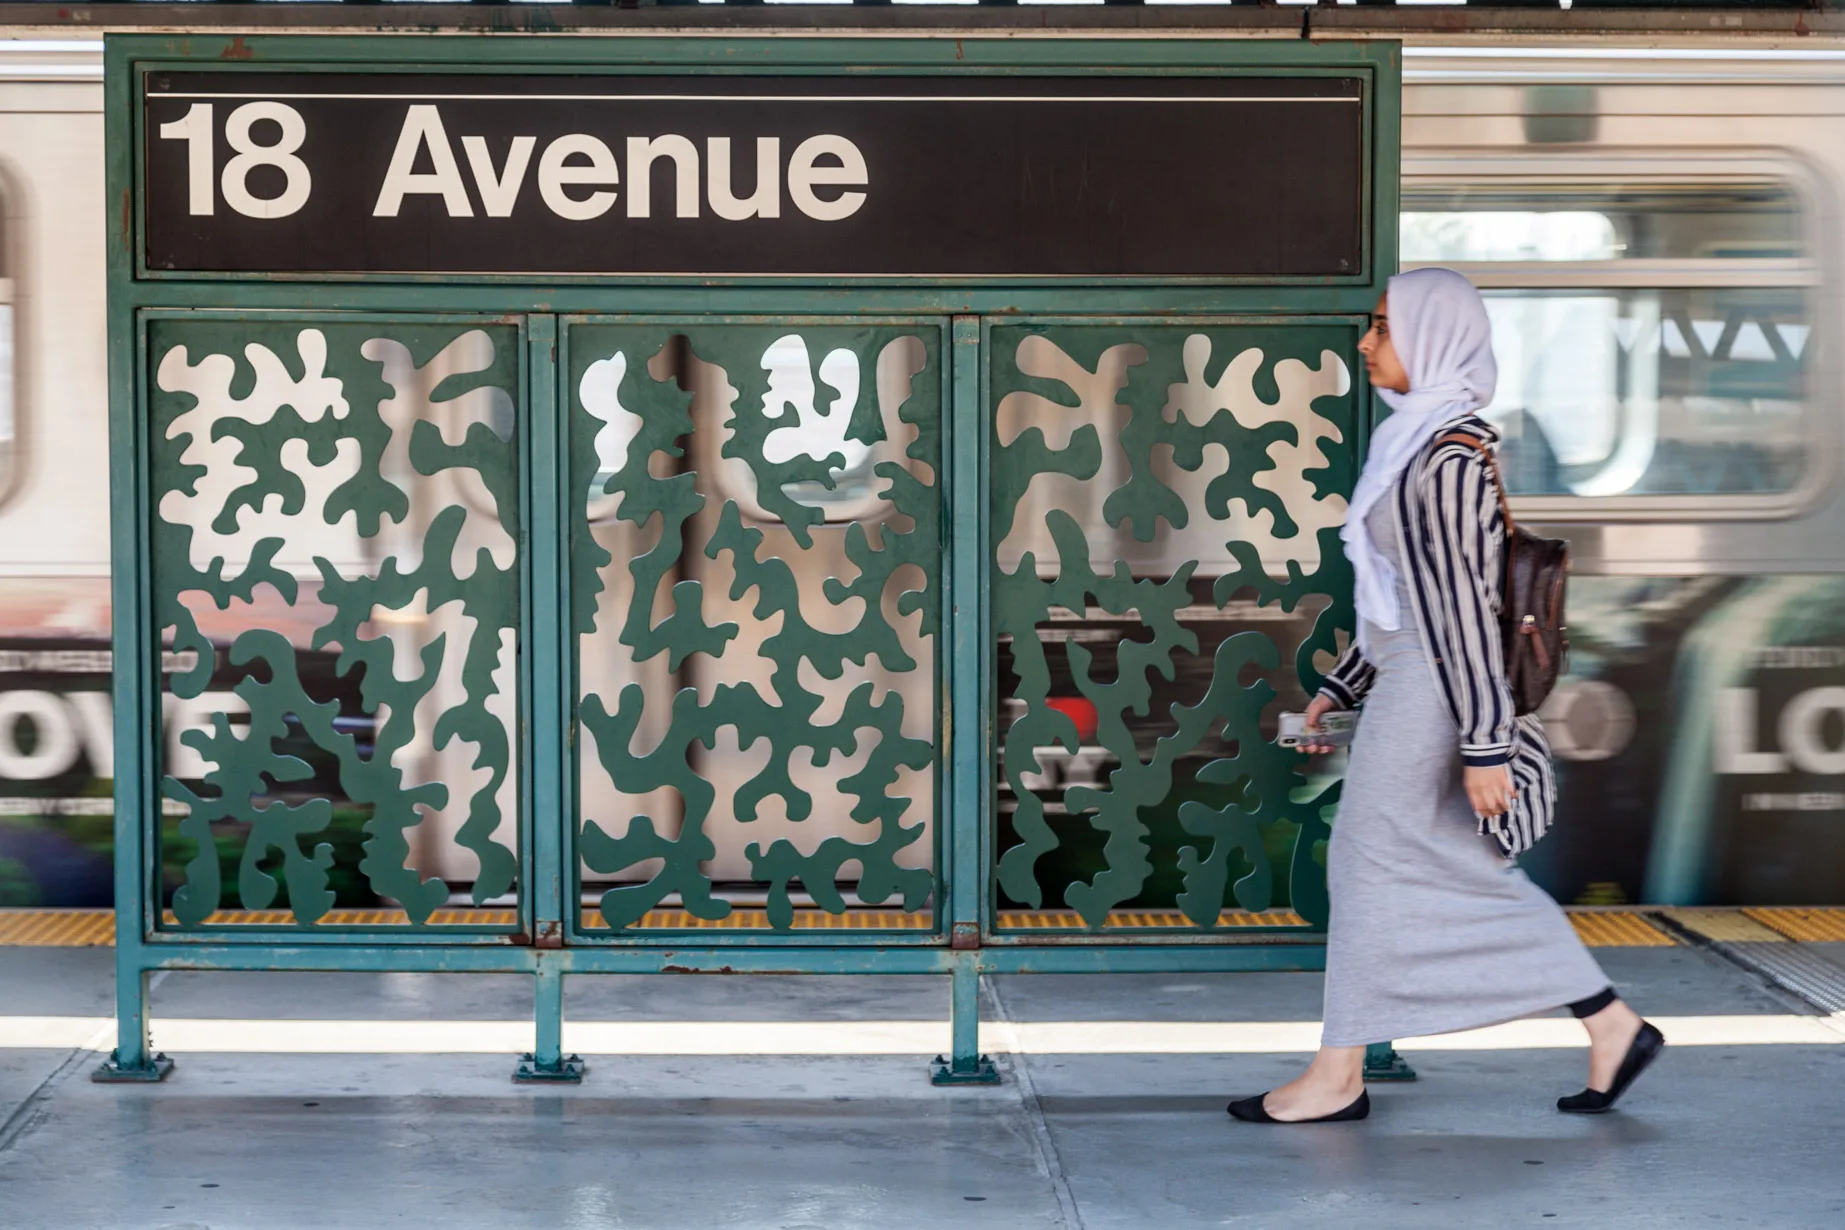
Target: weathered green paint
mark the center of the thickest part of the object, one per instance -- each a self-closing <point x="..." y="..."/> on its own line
<point x="964" y="1064"/>
<point x="969" y="676"/>
<point x="1137" y="393"/>
<point x="547" y="785"/>
<point x="294" y="393"/>
<point x="547" y="1064"/>
<point x="772" y="557"/>
<point x="543" y="338"/>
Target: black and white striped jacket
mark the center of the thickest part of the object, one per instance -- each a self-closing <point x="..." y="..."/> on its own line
<point x="1451" y="537"/>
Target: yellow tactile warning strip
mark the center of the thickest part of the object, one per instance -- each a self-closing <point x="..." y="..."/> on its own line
<point x="56" y="928"/>
<point x="89" y="928"/>
<point x="1049" y="920"/>
<point x="758" y="920"/>
<point x="1808" y="926"/>
<point x="1724" y="926"/>
<point x="357" y="918"/>
<point x="1618" y="929"/>
<point x="1599" y="928"/>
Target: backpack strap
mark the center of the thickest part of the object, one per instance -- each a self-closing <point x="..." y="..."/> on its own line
<point x="1505" y="504"/>
<point x="1492" y="467"/>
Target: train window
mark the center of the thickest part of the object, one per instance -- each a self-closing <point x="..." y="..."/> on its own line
<point x="6" y="384"/>
<point x="8" y="426"/>
<point x="9" y="361"/>
<point x="1652" y="340"/>
<point x="1510" y="235"/>
<point x="1600" y="221"/>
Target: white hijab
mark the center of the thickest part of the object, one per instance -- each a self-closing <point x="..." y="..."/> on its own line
<point x="1439" y="327"/>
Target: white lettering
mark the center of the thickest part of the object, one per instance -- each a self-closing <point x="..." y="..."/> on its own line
<point x="804" y="175"/>
<point x="55" y="748"/>
<point x="94" y="714"/>
<point x="83" y="661"/>
<point x="499" y="193"/>
<point x="56" y="661"/>
<point x="423" y="128"/>
<point x="196" y="131"/>
<point x="83" y="805"/>
<point x="554" y="176"/>
<point x="298" y="182"/>
<point x="826" y="179"/>
<point x="1799" y="657"/>
<point x="1587" y="719"/>
<point x="1800" y="728"/>
<point x="642" y="153"/>
<point x="1735" y="736"/>
<point x="1813" y="801"/>
<point x="80" y="806"/>
<point x="63" y="726"/>
<point x="765" y="201"/>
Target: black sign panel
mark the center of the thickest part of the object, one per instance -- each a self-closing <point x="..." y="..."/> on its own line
<point x="716" y="176"/>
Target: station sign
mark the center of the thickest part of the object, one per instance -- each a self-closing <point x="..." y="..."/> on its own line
<point x="917" y="177"/>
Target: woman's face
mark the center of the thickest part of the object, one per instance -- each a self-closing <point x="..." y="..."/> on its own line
<point x="1381" y="362"/>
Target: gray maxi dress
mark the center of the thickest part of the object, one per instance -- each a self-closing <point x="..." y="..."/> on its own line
<point x="1431" y="929"/>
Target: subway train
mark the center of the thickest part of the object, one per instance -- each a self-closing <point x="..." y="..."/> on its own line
<point x="1658" y="234"/>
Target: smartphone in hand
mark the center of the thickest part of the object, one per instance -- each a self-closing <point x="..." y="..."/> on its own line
<point x="1336" y="729"/>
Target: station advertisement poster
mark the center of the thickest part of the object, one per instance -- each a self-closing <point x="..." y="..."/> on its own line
<point x="1700" y="742"/>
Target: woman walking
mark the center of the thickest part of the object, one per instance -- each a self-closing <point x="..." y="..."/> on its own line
<point x="1432" y="929"/>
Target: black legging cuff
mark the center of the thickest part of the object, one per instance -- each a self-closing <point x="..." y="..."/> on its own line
<point x="1594" y="1004"/>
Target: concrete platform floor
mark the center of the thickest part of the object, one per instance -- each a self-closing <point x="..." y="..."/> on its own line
<point x="1732" y="1128"/>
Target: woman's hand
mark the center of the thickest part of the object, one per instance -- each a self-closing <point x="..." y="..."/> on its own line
<point x="1317" y="708"/>
<point x="1489" y="790"/>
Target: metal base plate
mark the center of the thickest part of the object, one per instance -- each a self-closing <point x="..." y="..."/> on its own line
<point x="568" y="1072"/>
<point x="111" y="1072"/>
<point x="1382" y="1063"/>
<point x="941" y="1072"/>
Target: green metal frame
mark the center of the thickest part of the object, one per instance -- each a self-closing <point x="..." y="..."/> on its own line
<point x="961" y="946"/>
<point x="573" y="932"/>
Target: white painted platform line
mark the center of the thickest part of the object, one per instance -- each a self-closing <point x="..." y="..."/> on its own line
<point x="326" y="1037"/>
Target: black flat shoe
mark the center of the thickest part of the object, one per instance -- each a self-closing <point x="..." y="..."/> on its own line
<point x="1251" y="1110"/>
<point x="1642" y="1051"/>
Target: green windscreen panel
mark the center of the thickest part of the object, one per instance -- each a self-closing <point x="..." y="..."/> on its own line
<point x="755" y="560"/>
<point x="1166" y="580"/>
<point x="336" y="585"/>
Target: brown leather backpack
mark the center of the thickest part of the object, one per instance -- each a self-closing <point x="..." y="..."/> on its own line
<point x="1531" y="617"/>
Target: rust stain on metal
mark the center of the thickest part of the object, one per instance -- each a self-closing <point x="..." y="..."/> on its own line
<point x="238" y="50"/>
<point x="965" y="936"/>
<point x="550" y="934"/>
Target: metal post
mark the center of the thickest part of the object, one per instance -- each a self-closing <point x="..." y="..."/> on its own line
<point x="132" y="1061"/>
<point x="964" y="817"/>
<point x="549" y="763"/>
<point x="135" y="667"/>
<point x="965" y="1065"/>
<point x="546" y="1065"/>
<point x="1382" y="1063"/>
